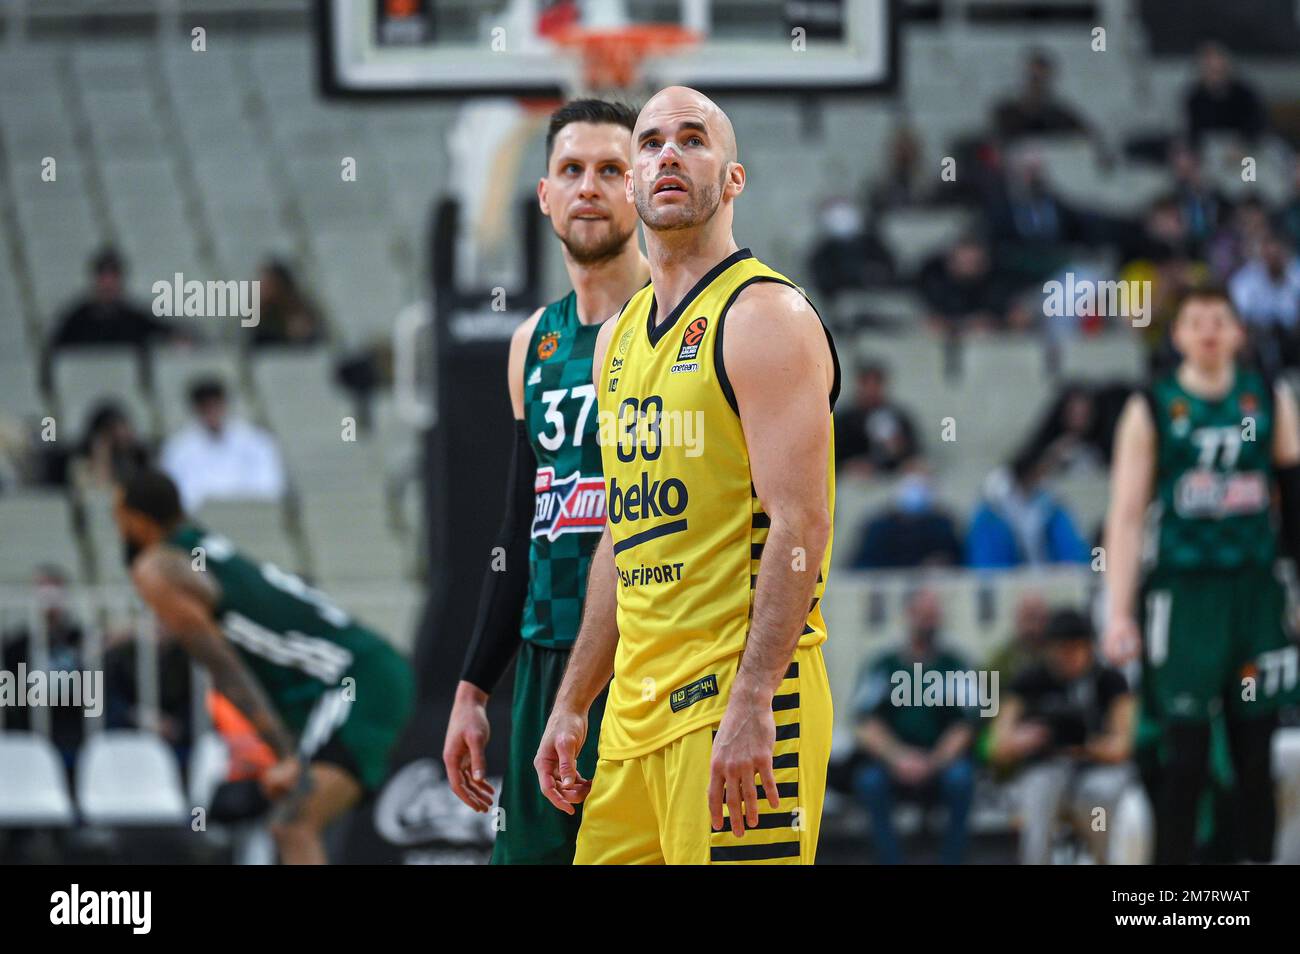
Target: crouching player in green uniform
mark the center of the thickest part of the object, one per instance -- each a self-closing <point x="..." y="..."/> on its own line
<point x="1206" y="446"/>
<point x="328" y="695"/>
<point x="533" y="588"/>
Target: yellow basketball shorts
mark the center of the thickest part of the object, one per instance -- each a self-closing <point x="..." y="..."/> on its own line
<point x="654" y="809"/>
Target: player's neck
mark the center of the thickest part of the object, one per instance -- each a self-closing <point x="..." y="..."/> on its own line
<point x="679" y="259"/>
<point x="1206" y="382"/>
<point x="602" y="288"/>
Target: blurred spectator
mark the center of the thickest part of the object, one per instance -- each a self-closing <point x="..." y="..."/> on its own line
<point x="1266" y="293"/>
<point x="221" y="457"/>
<point x="1029" y="224"/>
<point x="847" y="254"/>
<point x="903" y="183"/>
<point x="913" y="752"/>
<point x="173" y="719"/>
<point x="65" y="653"/>
<point x="1238" y="238"/>
<point x="1266" y="289"/>
<point x="1289" y="217"/>
<point x="1069" y="721"/>
<point x="110" y="451"/>
<point x="106" y="316"/>
<point x="1220" y="102"/>
<point x="1035" y="109"/>
<point x="1160" y="255"/>
<point x="287" y="316"/>
<point x="1025" y="647"/>
<point x="961" y="290"/>
<point x="1020" y="523"/>
<point x="1203" y="209"/>
<point x="873" y="435"/>
<point x="914" y="531"/>
<point x="1078" y="429"/>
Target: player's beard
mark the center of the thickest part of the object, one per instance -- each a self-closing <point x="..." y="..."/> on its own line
<point x="602" y="248"/>
<point x="703" y="205"/>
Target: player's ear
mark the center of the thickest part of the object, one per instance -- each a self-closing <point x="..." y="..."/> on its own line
<point x="735" y="179"/>
<point x="628" y="192"/>
<point x="542" y="203"/>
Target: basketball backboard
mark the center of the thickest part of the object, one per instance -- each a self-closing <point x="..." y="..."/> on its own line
<point x="515" y="48"/>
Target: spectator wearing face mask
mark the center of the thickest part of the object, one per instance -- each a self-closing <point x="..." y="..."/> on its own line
<point x="912" y="532"/>
<point x="1266" y="293"/>
<point x="1020" y="523"/>
<point x="848" y="255"/>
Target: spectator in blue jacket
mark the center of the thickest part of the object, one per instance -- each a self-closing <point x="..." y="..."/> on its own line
<point x="1020" y="523"/>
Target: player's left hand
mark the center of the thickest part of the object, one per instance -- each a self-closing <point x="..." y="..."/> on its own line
<point x="281" y="778"/>
<point x="742" y="749"/>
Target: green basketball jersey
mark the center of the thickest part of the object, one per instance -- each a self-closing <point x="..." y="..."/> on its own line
<point x="1213" y="475"/>
<point x="294" y="640"/>
<point x="561" y="416"/>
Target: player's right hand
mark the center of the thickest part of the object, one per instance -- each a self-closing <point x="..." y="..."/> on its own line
<point x="462" y="752"/>
<point x="1122" y="642"/>
<point x="557" y="760"/>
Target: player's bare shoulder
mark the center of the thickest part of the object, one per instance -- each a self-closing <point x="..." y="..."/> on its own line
<point x="772" y="326"/>
<point x="518" y="352"/>
<point x="163" y="570"/>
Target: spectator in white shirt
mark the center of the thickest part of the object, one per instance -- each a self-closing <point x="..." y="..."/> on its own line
<point x="219" y="457"/>
<point x="1266" y="290"/>
<point x="1266" y="293"/>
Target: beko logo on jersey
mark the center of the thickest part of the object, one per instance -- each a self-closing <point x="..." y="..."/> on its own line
<point x="647" y="499"/>
<point x="574" y="504"/>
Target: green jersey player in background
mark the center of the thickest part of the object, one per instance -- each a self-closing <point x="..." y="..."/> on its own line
<point x="533" y="588"/>
<point x="329" y="696"/>
<point x="1206" y="446"/>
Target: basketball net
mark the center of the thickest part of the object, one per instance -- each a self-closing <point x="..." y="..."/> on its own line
<point x="611" y="58"/>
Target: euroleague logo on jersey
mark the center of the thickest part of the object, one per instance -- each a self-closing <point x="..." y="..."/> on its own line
<point x="691" y="339"/>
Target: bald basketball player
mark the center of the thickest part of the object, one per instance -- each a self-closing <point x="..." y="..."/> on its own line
<point x="704" y="592"/>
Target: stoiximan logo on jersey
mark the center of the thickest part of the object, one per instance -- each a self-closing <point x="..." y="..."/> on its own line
<point x="573" y="504"/>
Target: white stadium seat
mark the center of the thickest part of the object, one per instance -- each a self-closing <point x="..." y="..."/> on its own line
<point x="33" y="786"/>
<point x="128" y="778"/>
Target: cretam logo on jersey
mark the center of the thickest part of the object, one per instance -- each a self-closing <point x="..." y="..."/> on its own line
<point x="574" y="504"/>
<point x="647" y="499"/>
<point x="684" y="367"/>
<point x="691" y="339"/>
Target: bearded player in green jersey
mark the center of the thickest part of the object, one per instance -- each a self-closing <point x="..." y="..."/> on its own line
<point x="1206" y="446"/>
<point x="329" y="696"/>
<point x="555" y="509"/>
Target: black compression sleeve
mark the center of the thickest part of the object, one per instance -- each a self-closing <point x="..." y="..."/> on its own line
<point x="501" y="601"/>
<point x="1288" y="485"/>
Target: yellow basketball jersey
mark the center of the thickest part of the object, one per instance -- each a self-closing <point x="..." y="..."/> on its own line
<point x="687" y="528"/>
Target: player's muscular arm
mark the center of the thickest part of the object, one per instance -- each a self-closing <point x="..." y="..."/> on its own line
<point x="780" y="367"/>
<point x="182" y="599"/>
<point x="496" y="630"/>
<point x="1131" y="481"/>
<point x="591" y="663"/>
